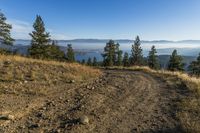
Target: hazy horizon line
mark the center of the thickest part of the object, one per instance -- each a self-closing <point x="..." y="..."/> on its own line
<point x="115" y="39"/>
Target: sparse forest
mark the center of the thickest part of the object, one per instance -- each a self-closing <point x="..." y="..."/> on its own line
<point x="42" y="47"/>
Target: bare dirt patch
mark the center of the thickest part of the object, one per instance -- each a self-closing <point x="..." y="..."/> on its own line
<point x="119" y="101"/>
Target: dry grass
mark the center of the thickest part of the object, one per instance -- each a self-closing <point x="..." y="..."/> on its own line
<point x="19" y="75"/>
<point x="20" y="68"/>
<point x="26" y="83"/>
<point x="192" y="82"/>
<point x="189" y="114"/>
<point x="31" y="76"/>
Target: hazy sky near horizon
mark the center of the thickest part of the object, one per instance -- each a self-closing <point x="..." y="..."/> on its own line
<point x="106" y="19"/>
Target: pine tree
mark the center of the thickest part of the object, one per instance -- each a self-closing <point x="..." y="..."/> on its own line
<point x="5" y="51"/>
<point x="40" y="39"/>
<point x="94" y="63"/>
<point x="70" y="53"/>
<point x="119" y="55"/>
<point x="5" y="37"/>
<point x="137" y="57"/>
<point x="89" y="62"/>
<point x="115" y="54"/>
<point x="109" y="52"/>
<point x="175" y="62"/>
<point x="126" y="60"/>
<point x="194" y="66"/>
<point x="119" y="58"/>
<point x="83" y="61"/>
<point x="53" y="52"/>
<point x="153" y="58"/>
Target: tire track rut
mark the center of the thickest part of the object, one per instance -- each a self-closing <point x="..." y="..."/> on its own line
<point x="130" y="102"/>
<point x="119" y="101"/>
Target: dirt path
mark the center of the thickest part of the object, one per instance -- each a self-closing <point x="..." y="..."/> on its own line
<point x="119" y="102"/>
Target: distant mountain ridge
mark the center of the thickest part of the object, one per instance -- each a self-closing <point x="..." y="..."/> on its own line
<point x="188" y="54"/>
<point x="27" y="42"/>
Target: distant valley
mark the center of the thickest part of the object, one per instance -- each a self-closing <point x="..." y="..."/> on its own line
<point x="85" y="48"/>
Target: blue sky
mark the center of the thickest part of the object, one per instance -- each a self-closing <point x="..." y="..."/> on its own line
<point x="107" y="19"/>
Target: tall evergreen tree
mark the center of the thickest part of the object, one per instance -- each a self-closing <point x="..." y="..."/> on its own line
<point x="83" y="61"/>
<point x="119" y="55"/>
<point x="70" y="53"/>
<point x="94" y="63"/>
<point x="89" y="62"/>
<point x="153" y="58"/>
<point x="194" y="66"/>
<point x="115" y="55"/>
<point x="5" y="37"/>
<point x="40" y="39"/>
<point x="175" y="62"/>
<point x="137" y="57"/>
<point x="109" y="52"/>
<point x="126" y="60"/>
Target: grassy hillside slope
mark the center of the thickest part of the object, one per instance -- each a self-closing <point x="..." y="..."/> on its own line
<point x="43" y="96"/>
<point x="26" y="83"/>
<point x="16" y="68"/>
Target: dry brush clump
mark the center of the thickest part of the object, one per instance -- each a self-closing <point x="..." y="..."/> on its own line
<point x="189" y="113"/>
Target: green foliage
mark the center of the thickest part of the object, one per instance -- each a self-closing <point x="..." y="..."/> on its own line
<point x="40" y="39"/>
<point x="112" y="55"/>
<point x="40" y="43"/>
<point x="126" y="60"/>
<point x="175" y="62"/>
<point x="89" y="62"/>
<point x="119" y="56"/>
<point x="137" y="57"/>
<point x="194" y="66"/>
<point x="83" y="62"/>
<point x="109" y="53"/>
<point x="153" y="59"/>
<point x="53" y="52"/>
<point x="70" y="53"/>
<point x="95" y="63"/>
<point x="5" y="37"/>
<point x="5" y="52"/>
<point x="39" y="35"/>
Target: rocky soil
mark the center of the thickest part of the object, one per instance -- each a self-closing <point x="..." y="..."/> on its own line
<point x="118" y="102"/>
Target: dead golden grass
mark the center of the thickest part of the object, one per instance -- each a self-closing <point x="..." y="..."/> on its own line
<point x="189" y="113"/>
<point x="21" y="68"/>
<point x="192" y="82"/>
<point x="37" y="77"/>
<point x="24" y="81"/>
